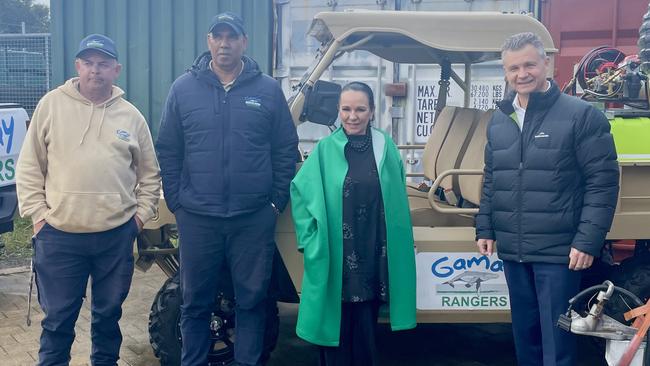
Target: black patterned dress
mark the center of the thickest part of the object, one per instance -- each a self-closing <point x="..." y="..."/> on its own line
<point x="365" y="263"/>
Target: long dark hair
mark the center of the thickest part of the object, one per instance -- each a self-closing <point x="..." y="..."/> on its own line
<point x="364" y="88"/>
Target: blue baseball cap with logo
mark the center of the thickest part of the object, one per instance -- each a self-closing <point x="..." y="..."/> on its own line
<point x="230" y="19"/>
<point x="98" y="42"/>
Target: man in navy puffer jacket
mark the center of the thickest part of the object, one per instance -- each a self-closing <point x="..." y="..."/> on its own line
<point x="227" y="148"/>
<point x="548" y="200"/>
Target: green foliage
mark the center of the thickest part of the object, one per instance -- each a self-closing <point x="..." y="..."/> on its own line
<point x="13" y="12"/>
<point x="17" y="244"/>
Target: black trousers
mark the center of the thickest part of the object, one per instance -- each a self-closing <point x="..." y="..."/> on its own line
<point x="209" y="247"/>
<point x="357" y="345"/>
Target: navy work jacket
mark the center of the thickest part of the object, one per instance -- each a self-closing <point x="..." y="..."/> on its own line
<point x="221" y="153"/>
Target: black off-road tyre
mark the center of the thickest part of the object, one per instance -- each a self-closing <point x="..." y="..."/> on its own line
<point x="632" y="274"/>
<point x="165" y="335"/>
<point x="164" y="321"/>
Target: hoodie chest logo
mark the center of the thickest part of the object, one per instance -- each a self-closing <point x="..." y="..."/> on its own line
<point x="253" y="102"/>
<point x="123" y="135"/>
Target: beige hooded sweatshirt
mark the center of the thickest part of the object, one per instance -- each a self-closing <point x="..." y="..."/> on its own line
<point x="87" y="168"/>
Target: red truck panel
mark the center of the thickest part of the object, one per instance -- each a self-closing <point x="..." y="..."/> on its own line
<point x="577" y="26"/>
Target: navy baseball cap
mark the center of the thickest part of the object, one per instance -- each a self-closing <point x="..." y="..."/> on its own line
<point x="230" y="19"/>
<point x="98" y="42"/>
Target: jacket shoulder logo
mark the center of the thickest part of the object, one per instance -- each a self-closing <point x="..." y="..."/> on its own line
<point x="541" y="135"/>
<point x="123" y="135"/>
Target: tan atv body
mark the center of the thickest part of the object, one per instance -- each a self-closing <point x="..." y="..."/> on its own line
<point x="455" y="283"/>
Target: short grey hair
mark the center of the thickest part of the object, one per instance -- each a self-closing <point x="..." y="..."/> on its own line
<point x="520" y="40"/>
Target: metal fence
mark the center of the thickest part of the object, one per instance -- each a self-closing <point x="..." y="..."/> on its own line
<point x="25" y="68"/>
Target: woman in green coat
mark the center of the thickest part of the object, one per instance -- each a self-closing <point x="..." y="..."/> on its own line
<point x="353" y="226"/>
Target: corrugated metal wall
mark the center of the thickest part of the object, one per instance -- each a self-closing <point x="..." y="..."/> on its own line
<point x="157" y="40"/>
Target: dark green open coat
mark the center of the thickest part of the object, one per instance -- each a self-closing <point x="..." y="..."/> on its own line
<point x="317" y="206"/>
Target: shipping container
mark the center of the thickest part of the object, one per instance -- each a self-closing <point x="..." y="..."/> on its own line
<point x="157" y="40"/>
<point x="407" y="123"/>
<point x="578" y="26"/>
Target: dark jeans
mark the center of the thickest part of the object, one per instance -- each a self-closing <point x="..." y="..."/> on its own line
<point x="63" y="262"/>
<point x="357" y="340"/>
<point x="209" y="247"/>
<point x="539" y="293"/>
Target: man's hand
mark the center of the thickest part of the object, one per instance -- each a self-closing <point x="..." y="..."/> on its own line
<point x="485" y="246"/>
<point x="579" y="260"/>
<point x="38" y="226"/>
<point x="139" y="223"/>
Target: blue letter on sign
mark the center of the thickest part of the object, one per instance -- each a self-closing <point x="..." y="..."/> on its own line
<point x="9" y="131"/>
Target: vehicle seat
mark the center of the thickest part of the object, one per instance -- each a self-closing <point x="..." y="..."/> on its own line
<point x="471" y="185"/>
<point x="432" y="148"/>
<point x="450" y="138"/>
<point x="453" y="149"/>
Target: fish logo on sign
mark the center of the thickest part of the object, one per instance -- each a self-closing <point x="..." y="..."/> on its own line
<point x="471" y="278"/>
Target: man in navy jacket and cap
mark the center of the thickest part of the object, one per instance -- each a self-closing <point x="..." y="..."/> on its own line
<point x="227" y="150"/>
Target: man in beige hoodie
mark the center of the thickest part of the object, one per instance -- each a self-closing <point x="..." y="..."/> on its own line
<point x="88" y="177"/>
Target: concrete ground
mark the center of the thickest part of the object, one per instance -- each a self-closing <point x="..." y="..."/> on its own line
<point x="429" y="344"/>
<point x="19" y="343"/>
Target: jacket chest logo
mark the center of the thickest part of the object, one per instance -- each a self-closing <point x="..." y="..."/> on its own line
<point x="541" y="135"/>
<point x="123" y="135"/>
<point x="253" y="102"/>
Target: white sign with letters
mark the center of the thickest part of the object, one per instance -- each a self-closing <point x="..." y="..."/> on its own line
<point x="460" y="281"/>
<point x="484" y="94"/>
<point x="12" y="134"/>
<point x="426" y="99"/>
